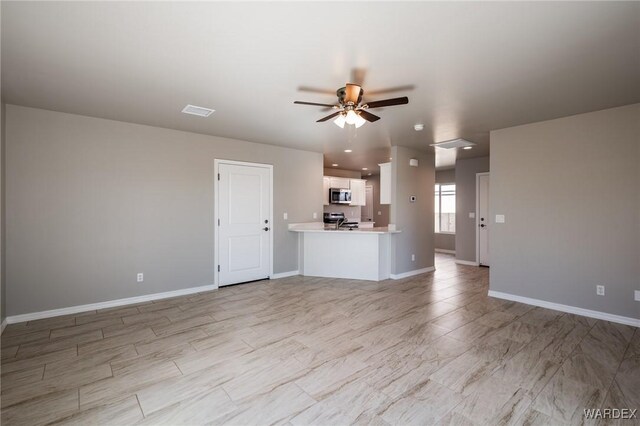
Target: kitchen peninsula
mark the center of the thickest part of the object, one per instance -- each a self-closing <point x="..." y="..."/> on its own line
<point x="362" y="254"/>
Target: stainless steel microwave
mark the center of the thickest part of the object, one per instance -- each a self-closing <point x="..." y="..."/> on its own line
<point x="339" y="196"/>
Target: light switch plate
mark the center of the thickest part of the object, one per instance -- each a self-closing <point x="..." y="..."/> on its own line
<point x="637" y="295"/>
<point x="499" y="218"/>
<point x="285" y="216"/>
<point x="472" y="215"/>
<point x="315" y="215"/>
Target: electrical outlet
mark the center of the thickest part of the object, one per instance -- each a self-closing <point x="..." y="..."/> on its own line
<point x="140" y="277"/>
<point x="413" y="257"/>
<point x="315" y="215"/>
<point x="285" y="216"/>
<point x="600" y="290"/>
<point x="379" y="213"/>
<point x="472" y="215"/>
<point x="499" y="218"/>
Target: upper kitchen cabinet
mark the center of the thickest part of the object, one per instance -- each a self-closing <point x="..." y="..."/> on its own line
<point x="326" y="185"/>
<point x="338" y="182"/>
<point x="358" y="192"/>
<point x="385" y="183"/>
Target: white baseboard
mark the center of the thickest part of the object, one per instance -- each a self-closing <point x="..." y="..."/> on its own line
<point x="444" y="251"/>
<point x="566" y="308"/>
<point x="109" y="304"/>
<point x="412" y="273"/>
<point x="4" y="324"/>
<point x="467" y="262"/>
<point x="284" y="274"/>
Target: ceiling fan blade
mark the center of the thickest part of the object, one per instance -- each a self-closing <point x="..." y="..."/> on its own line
<point x="368" y="116"/>
<point x="388" y="102"/>
<point x="316" y="90"/>
<point x="352" y="93"/>
<point x="314" y="104"/>
<point x="358" y="75"/>
<point x="391" y="90"/>
<point x="328" y="117"/>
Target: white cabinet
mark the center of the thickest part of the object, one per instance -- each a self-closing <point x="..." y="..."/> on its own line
<point x="358" y="192"/>
<point x="338" y="182"/>
<point x="385" y="183"/>
<point x="357" y="187"/>
<point x="326" y="184"/>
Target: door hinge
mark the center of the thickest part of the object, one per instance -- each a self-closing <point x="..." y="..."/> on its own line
<point x="218" y="222"/>
<point x="218" y="268"/>
<point x="218" y="176"/>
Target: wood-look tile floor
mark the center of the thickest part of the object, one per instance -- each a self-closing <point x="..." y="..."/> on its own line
<point x="430" y="349"/>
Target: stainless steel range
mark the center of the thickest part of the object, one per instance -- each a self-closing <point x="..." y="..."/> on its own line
<point x="338" y="220"/>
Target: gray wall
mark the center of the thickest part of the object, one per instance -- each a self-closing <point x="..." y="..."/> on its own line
<point x="445" y="241"/>
<point x="3" y="309"/>
<point x="446" y="176"/>
<point x="415" y="220"/>
<point x="570" y="191"/>
<point x="466" y="170"/>
<point x="380" y="211"/>
<point x="351" y="174"/>
<point x="3" y="287"/>
<point x="90" y="202"/>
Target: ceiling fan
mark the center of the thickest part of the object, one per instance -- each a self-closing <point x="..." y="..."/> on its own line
<point x="350" y="108"/>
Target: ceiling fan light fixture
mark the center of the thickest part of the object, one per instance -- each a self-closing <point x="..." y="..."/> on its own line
<point x="359" y="121"/>
<point x="339" y="121"/>
<point x="351" y="117"/>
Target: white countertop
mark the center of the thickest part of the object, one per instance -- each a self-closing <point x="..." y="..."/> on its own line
<point x="319" y="227"/>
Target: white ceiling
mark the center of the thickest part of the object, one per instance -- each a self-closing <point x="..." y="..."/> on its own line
<point x="475" y="66"/>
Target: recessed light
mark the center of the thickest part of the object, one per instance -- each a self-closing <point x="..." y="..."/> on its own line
<point x="334" y="165"/>
<point x="199" y="111"/>
<point x="364" y="168"/>
<point x="390" y="158"/>
<point x="419" y="127"/>
<point x="368" y="174"/>
<point x="467" y="147"/>
<point x="347" y="150"/>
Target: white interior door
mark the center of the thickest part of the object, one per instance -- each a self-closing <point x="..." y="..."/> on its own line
<point x="244" y="227"/>
<point x="483" y="221"/>
<point x="367" y="209"/>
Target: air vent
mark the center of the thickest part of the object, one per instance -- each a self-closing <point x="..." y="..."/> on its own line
<point x="453" y="144"/>
<point x="199" y="111"/>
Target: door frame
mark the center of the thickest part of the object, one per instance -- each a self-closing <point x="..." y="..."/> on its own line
<point x="478" y="214"/>
<point x="216" y="183"/>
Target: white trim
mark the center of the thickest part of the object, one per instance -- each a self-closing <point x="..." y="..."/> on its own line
<point x="412" y="273"/>
<point x="216" y="182"/>
<point x="444" y="251"/>
<point x="467" y="262"/>
<point x="477" y="263"/>
<point x="566" y="308"/>
<point x="109" y="304"/>
<point x="284" y="274"/>
<point x="4" y="324"/>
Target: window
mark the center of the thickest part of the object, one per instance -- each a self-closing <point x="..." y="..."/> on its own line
<point x="445" y="208"/>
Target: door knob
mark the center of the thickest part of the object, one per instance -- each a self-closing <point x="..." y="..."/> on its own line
<point x="266" y="229"/>
<point x="482" y="225"/>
